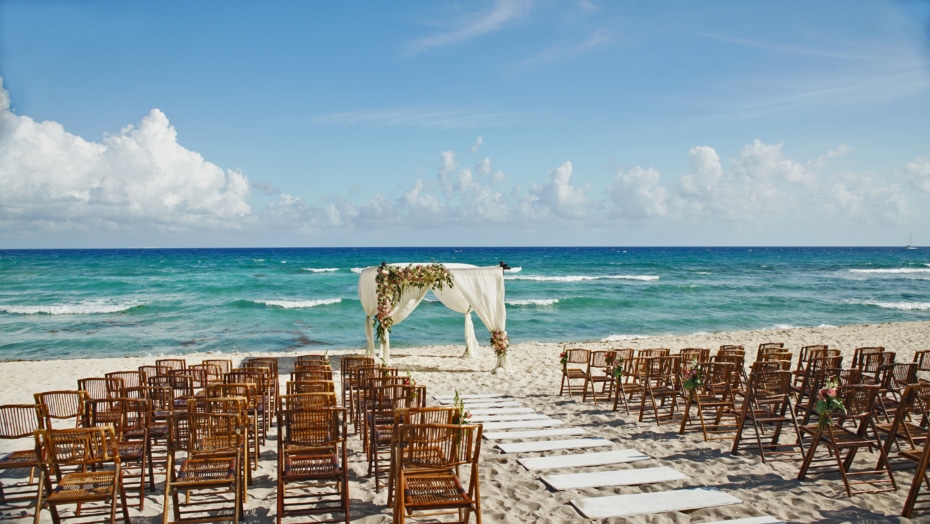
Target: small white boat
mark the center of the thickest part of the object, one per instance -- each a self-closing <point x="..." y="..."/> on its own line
<point x="909" y="244"/>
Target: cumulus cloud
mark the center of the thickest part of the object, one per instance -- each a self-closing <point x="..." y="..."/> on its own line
<point x="559" y="196"/>
<point x="918" y="172"/>
<point x="478" y="143"/>
<point x="637" y="194"/>
<point x="136" y="179"/>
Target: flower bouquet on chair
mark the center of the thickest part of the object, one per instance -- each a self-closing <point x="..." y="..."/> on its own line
<point x="693" y="379"/>
<point x="563" y="359"/>
<point x="463" y="417"/>
<point x="827" y="403"/>
<point x="614" y="365"/>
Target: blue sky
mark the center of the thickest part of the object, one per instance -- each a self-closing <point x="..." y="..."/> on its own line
<point x="511" y="122"/>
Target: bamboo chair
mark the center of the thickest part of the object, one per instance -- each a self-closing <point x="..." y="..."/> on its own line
<point x="653" y="352"/>
<point x="212" y="444"/>
<point x="714" y="397"/>
<point x="804" y="356"/>
<point x="362" y="379"/>
<point x="132" y="438"/>
<point x="419" y="415"/>
<point x="597" y="373"/>
<point x="739" y="377"/>
<point x="310" y="386"/>
<point x="660" y="383"/>
<point x="768" y="408"/>
<point x="921" y="457"/>
<point x="233" y="405"/>
<point x="859" y="401"/>
<point x="430" y="477"/>
<point x="258" y="400"/>
<point x="731" y="347"/>
<point x="574" y="369"/>
<point x="147" y="372"/>
<point x="893" y="378"/>
<point x="311" y="373"/>
<point x="210" y="373"/>
<point x="101" y="388"/>
<point x="17" y="422"/>
<point x="806" y="392"/>
<point x="909" y="424"/>
<point x="870" y="364"/>
<point x="95" y="488"/>
<point x="272" y="378"/>
<point x="381" y="405"/>
<point x="346" y="366"/>
<point x="311" y="457"/>
<point x="246" y="392"/>
<point x="62" y="409"/>
<point x="307" y="401"/>
<point x="630" y="383"/>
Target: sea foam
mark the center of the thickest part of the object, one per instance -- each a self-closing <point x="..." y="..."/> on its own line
<point x="533" y="302"/>
<point x="581" y="278"/>
<point x="893" y="271"/>
<point x="321" y="269"/>
<point x="90" y="307"/>
<point x="299" y="304"/>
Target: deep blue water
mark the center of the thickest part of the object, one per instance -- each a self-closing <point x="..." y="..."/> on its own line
<point x="94" y="303"/>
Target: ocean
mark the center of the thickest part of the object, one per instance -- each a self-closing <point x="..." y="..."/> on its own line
<point x="104" y="303"/>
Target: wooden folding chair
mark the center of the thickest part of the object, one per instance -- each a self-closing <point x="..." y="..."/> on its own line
<point x="660" y="383"/>
<point x="921" y="457"/>
<point x="909" y="425"/>
<point x="714" y="401"/>
<point x="382" y="403"/>
<point x="418" y="415"/>
<point x="430" y="477"/>
<point x="630" y="383"/>
<point x="211" y="467"/>
<point x="859" y="401"/>
<point x="596" y="373"/>
<point x="19" y="422"/>
<point x="312" y="464"/>
<point x="95" y="488"/>
<point x="310" y="386"/>
<point x="62" y="409"/>
<point x="768" y="408"/>
<point x="132" y="438"/>
<point x="574" y="369"/>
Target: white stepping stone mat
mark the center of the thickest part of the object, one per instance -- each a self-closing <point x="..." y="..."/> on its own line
<point x="600" y="458"/>
<point x="655" y="502"/>
<point x="622" y="477"/>
<point x="551" y="445"/>
<point x="537" y="433"/>
<point x="519" y="424"/>
<point x="507" y="416"/>
<point x="765" y="519"/>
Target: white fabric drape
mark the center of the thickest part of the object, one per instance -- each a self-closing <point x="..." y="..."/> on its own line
<point x="478" y="289"/>
<point x="483" y="288"/>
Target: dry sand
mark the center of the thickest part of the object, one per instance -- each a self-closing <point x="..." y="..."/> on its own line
<point x="510" y="493"/>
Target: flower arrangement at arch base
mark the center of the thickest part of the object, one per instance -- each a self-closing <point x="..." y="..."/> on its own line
<point x="827" y="403"/>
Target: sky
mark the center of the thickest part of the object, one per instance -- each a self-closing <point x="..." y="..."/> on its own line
<point x="478" y="123"/>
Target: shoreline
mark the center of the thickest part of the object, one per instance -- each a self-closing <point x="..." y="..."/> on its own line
<point x="509" y="492"/>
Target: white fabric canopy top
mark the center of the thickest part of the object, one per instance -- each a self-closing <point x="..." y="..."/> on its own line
<point x="478" y="289"/>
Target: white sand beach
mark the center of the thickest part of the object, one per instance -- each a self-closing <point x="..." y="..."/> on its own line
<point x="510" y="492"/>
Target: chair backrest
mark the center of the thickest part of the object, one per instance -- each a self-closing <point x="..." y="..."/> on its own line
<point x="147" y="372"/>
<point x="311" y="427"/>
<point x="311" y="373"/>
<point x="438" y="446"/>
<point x="769" y="386"/>
<point x="653" y="352"/>
<point x="19" y="420"/>
<point x="624" y="353"/>
<point x="769" y="345"/>
<point x="78" y="446"/>
<point x="211" y="373"/>
<point x="425" y="415"/>
<point x="307" y="401"/>
<point x="166" y="364"/>
<point x="225" y="365"/>
<point x="62" y="409"/>
<point x="859" y="401"/>
<point x="597" y="362"/>
<point x="775" y="355"/>
<point x="130" y="378"/>
<point x="125" y="415"/>
<point x="732" y="347"/>
<point x="860" y="353"/>
<point x="350" y="362"/>
<point x="101" y="387"/>
<point x="894" y="377"/>
<point x="870" y="362"/>
<point x="316" y="357"/>
<point x="922" y="359"/>
<point x="761" y="366"/>
<point x="690" y="354"/>
<point x="578" y="356"/>
<point x="205" y="433"/>
<point x="310" y="386"/>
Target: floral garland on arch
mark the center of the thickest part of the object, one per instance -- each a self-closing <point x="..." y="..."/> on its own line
<point x="500" y="342"/>
<point x="392" y="281"/>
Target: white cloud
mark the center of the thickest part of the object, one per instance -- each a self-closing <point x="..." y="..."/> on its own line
<point x="559" y="196"/>
<point x="636" y="194"/>
<point x="918" y="172"/>
<point x="138" y="179"/>
<point x="503" y="12"/>
<point x="478" y="143"/>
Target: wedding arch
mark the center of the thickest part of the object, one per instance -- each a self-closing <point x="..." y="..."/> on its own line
<point x="390" y="292"/>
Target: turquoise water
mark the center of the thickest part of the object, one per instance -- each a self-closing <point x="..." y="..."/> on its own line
<point x="94" y="303"/>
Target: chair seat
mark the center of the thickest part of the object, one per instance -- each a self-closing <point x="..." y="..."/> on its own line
<point x="299" y="465"/>
<point x="131" y="450"/>
<point x="25" y="458"/>
<point x="207" y="470"/>
<point x="81" y="487"/>
<point x="439" y="491"/>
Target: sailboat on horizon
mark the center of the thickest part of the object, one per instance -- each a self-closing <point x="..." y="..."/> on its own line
<point x="909" y="245"/>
